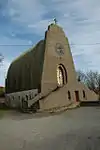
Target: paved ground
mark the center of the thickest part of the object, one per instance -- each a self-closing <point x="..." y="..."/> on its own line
<point x="77" y="129"/>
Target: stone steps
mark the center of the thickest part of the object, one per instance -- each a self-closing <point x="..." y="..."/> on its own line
<point x="60" y="109"/>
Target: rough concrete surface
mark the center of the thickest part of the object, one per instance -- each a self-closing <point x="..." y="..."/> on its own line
<point x="77" y="129"/>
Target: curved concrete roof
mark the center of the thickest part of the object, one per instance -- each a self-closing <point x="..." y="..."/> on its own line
<point x="26" y="66"/>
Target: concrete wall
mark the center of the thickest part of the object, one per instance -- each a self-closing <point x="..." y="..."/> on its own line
<point x="25" y="72"/>
<point x="60" y="97"/>
<point x="15" y="99"/>
<point x="52" y="59"/>
<point x="56" y="99"/>
<point x="90" y="95"/>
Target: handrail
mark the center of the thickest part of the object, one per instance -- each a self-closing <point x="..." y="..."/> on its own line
<point x="41" y="96"/>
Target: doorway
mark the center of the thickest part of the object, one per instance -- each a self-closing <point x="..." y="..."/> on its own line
<point x="77" y="96"/>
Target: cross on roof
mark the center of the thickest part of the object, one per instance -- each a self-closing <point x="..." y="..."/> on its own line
<point x="55" y="20"/>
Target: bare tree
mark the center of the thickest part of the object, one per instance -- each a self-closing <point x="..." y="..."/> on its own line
<point x="91" y="79"/>
<point x="1" y="58"/>
<point x="81" y="76"/>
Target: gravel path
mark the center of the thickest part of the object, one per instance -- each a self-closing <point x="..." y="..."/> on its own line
<point x="77" y="129"/>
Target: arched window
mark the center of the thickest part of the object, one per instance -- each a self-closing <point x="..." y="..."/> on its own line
<point x="64" y="73"/>
<point x="61" y="75"/>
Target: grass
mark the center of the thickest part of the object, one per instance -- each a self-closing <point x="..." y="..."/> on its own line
<point x="3" y="112"/>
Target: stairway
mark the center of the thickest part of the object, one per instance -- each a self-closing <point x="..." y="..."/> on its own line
<point x="40" y="96"/>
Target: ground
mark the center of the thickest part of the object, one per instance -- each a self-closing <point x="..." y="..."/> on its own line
<point x="77" y="129"/>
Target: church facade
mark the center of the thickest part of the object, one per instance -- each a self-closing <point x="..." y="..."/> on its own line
<point x="44" y="77"/>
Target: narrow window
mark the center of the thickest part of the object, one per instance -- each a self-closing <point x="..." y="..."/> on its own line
<point x="35" y="94"/>
<point x="27" y="97"/>
<point x="30" y="96"/>
<point x="69" y="95"/>
<point x="12" y="97"/>
<point x="84" y="96"/>
<point x="77" y="96"/>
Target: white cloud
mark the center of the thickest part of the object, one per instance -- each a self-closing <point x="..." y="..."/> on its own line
<point x="79" y="18"/>
<point x="82" y="25"/>
<point x="10" y="49"/>
<point x="25" y="12"/>
<point x="3" y="72"/>
<point x="4" y="40"/>
<point x="30" y="42"/>
<point x="13" y="34"/>
<point x="39" y="27"/>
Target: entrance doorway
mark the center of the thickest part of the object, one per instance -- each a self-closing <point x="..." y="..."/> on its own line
<point x="77" y="96"/>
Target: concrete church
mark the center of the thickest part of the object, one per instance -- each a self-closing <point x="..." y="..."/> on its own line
<point x="44" y="77"/>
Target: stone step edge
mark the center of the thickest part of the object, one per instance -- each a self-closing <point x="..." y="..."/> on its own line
<point x="64" y="108"/>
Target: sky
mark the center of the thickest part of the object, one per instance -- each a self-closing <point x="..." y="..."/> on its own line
<point x="24" y="22"/>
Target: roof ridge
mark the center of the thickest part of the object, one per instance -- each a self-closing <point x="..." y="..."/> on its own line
<point x="29" y="50"/>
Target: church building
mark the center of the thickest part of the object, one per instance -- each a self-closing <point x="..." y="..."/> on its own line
<point x="44" y="77"/>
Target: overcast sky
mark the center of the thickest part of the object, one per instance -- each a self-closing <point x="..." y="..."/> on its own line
<point x="23" y="23"/>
